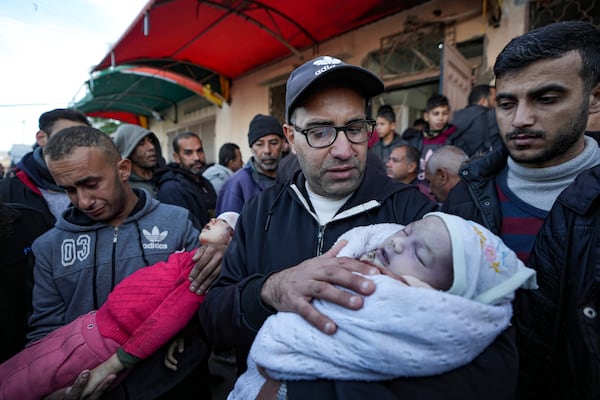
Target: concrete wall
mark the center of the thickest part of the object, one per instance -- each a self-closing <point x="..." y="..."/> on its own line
<point x="250" y="93"/>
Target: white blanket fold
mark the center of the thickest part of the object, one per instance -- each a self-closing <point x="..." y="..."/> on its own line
<point x="400" y="331"/>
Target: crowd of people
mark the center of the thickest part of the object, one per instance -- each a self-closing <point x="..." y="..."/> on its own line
<point x="457" y="259"/>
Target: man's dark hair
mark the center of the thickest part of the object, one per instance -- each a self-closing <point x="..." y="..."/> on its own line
<point x="419" y="121"/>
<point x="479" y="92"/>
<point x="64" y="142"/>
<point x="412" y="153"/>
<point x="183" y="135"/>
<point x="436" y="100"/>
<point x="49" y="118"/>
<point x="387" y="112"/>
<point x="227" y="153"/>
<point x="551" y="42"/>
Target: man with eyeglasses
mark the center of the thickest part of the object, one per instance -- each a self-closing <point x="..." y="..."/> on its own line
<point x="281" y="256"/>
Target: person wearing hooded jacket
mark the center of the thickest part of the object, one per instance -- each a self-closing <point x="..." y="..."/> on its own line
<point x="142" y="147"/>
<point x="277" y="260"/>
<point x="32" y="184"/>
<point x="111" y="231"/>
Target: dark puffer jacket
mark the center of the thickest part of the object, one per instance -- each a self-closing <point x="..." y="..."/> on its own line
<point x="559" y="325"/>
<point x="192" y="192"/>
<point x="475" y="196"/>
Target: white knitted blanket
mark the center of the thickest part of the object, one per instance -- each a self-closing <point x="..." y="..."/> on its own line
<point x="400" y="331"/>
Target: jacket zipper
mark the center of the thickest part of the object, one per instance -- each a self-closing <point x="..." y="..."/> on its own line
<point x="114" y="256"/>
<point x="320" y="236"/>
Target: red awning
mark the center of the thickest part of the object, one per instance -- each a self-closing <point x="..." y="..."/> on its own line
<point x="198" y="38"/>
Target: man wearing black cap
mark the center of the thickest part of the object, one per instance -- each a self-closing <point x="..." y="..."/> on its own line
<point x="265" y="138"/>
<point x="282" y="257"/>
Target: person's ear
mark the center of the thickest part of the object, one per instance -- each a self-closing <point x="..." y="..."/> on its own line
<point x="595" y="100"/>
<point x="288" y="131"/>
<point x="41" y="138"/>
<point x="124" y="166"/>
<point x="176" y="158"/>
<point x="442" y="174"/>
<point x="412" y="167"/>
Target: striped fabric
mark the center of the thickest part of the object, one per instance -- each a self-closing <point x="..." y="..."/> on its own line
<point x="520" y="220"/>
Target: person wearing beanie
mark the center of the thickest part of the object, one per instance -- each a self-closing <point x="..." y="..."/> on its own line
<point x="441" y="272"/>
<point x="265" y="138"/>
<point x="142" y="147"/>
<point x="142" y="313"/>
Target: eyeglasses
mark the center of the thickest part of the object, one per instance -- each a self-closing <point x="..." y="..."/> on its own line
<point x="357" y="132"/>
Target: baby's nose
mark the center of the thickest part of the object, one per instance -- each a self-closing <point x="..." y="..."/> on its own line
<point x="398" y="244"/>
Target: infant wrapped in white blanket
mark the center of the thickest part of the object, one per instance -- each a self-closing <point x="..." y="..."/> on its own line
<point x="401" y="330"/>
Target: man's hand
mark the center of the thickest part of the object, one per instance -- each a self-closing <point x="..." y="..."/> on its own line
<point x="75" y="392"/>
<point x="294" y="288"/>
<point x="101" y="372"/>
<point x="208" y="265"/>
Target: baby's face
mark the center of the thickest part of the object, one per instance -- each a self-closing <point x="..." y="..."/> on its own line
<point x="216" y="231"/>
<point x="422" y="250"/>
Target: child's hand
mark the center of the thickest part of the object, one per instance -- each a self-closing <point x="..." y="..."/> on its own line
<point x="177" y="345"/>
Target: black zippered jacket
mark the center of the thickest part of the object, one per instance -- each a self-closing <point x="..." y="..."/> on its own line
<point x="558" y="325"/>
<point x="277" y="229"/>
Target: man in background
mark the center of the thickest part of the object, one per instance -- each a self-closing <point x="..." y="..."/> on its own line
<point x="183" y="184"/>
<point x="442" y="170"/>
<point x="265" y="138"/>
<point x="230" y="161"/>
<point x="476" y="127"/>
<point x="143" y="149"/>
<point x="403" y="164"/>
<point x="32" y="185"/>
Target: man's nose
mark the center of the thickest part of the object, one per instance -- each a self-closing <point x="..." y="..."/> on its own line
<point x="523" y="116"/>
<point x="84" y="200"/>
<point x="341" y="147"/>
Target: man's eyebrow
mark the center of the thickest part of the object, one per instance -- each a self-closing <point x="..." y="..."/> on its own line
<point x="84" y="181"/>
<point x="552" y="87"/>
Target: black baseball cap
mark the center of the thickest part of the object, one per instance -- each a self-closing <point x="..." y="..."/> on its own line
<point x="326" y="69"/>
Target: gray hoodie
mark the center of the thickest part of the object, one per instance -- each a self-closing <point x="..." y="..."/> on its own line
<point x="79" y="261"/>
<point x="126" y="138"/>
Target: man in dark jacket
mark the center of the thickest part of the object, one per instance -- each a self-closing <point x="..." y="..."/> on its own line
<point x="183" y="184"/>
<point x="557" y="325"/>
<point x="281" y="256"/>
<point x="20" y="225"/>
<point x="32" y="184"/>
<point x="265" y="138"/>
<point x="547" y="82"/>
<point x="476" y="127"/>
